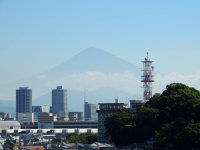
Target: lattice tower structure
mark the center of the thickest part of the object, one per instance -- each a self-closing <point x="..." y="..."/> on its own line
<point x="147" y="78"/>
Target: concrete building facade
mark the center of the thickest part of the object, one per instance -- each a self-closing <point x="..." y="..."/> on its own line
<point x="90" y="112"/>
<point x="59" y="102"/>
<point x="6" y="125"/>
<point x="105" y="110"/>
<point x="45" y="120"/>
<point x="23" y="100"/>
<point x="38" y="109"/>
<point x="75" y="116"/>
<point x="76" y="124"/>
<point x="26" y="118"/>
<point x="5" y="116"/>
<point x="135" y="104"/>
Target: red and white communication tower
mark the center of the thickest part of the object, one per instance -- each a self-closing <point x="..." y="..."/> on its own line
<point x="147" y="78"/>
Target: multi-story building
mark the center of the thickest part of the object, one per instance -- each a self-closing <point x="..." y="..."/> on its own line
<point x="76" y="124"/>
<point x="7" y="125"/>
<point x="74" y="116"/>
<point x="90" y="113"/>
<point x="23" y="100"/>
<point x="135" y="104"/>
<point x="59" y="102"/>
<point x="38" y="109"/>
<point x="26" y="118"/>
<point x="45" y="120"/>
<point x="105" y="110"/>
<point x="5" y="116"/>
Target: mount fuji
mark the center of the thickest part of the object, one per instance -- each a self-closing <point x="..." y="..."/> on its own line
<point x="100" y="74"/>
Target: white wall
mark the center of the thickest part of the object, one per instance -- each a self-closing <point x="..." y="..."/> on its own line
<point x="25" y="117"/>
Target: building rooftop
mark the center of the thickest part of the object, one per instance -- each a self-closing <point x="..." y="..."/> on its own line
<point x="136" y="101"/>
<point x="23" y="88"/>
<point x="9" y="123"/>
<point x="113" y="103"/>
<point x="59" y="87"/>
<point x="33" y="147"/>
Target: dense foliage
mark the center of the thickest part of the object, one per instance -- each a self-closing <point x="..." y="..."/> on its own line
<point x="122" y="123"/>
<point x="173" y="117"/>
<point x="82" y="138"/>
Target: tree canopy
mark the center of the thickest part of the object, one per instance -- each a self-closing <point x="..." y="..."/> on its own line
<point x="121" y="123"/>
<point x="86" y="138"/>
<point x="173" y="117"/>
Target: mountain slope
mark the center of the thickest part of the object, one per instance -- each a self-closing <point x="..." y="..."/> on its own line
<point x="102" y="74"/>
<point x="94" y="60"/>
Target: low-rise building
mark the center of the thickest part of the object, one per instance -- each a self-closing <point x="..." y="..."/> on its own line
<point x="5" y="125"/>
<point x="75" y="116"/>
<point x="45" y="120"/>
<point x="75" y="124"/>
<point x="5" y="116"/>
<point x="27" y="117"/>
<point x="135" y="104"/>
<point x="38" y="109"/>
<point x="32" y="147"/>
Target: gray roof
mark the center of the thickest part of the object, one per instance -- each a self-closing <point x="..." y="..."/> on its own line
<point x="8" y="124"/>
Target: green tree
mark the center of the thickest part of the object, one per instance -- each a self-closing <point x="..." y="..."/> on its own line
<point x="189" y="135"/>
<point x="172" y="117"/>
<point x="146" y="123"/>
<point x="87" y="138"/>
<point x="91" y="138"/>
<point x="119" y="127"/>
<point x="178" y="107"/>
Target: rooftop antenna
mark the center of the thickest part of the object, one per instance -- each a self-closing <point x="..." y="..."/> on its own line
<point x="116" y="100"/>
<point x="84" y="98"/>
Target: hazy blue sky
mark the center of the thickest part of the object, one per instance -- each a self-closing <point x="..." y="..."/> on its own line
<point x="39" y="34"/>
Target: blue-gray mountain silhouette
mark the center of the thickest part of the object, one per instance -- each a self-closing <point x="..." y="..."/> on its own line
<point x="89" y="60"/>
<point x="94" y="59"/>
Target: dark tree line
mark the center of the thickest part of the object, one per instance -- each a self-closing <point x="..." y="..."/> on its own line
<point x="86" y="138"/>
<point x="172" y="117"/>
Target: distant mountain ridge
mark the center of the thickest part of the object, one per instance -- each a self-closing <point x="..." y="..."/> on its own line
<point x="94" y="60"/>
<point x="104" y="75"/>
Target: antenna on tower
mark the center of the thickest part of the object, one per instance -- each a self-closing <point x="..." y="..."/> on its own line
<point x="147" y="78"/>
<point x="116" y="99"/>
<point x="84" y="98"/>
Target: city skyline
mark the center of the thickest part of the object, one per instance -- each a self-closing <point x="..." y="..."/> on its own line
<point x="99" y="74"/>
<point x="37" y="36"/>
<point x="87" y="80"/>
